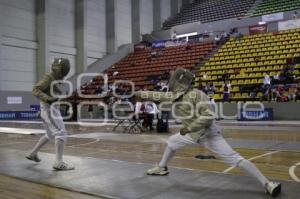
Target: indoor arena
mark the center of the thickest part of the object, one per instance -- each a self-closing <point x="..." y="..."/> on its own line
<point x="149" y="99"/>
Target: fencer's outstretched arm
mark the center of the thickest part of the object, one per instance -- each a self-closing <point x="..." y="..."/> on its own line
<point x="157" y="96"/>
<point x="204" y="114"/>
<point x="41" y="88"/>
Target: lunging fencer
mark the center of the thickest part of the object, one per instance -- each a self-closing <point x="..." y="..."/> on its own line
<point x="51" y="116"/>
<point x="199" y="128"/>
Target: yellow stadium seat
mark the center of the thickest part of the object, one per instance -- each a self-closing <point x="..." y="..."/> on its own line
<point x="253" y="81"/>
<point x="245" y="95"/>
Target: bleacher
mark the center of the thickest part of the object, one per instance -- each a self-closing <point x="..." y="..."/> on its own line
<point x="273" y="6"/>
<point x="140" y="65"/>
<point x="210" y="10"/>
<point x="253" y="55"/>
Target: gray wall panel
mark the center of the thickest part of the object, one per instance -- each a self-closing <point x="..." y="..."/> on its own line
<point x="146" y="16"/>
<point x="62" y="22"/>
<point x="16" y="21"/>
<point x="123" y="22"/>
<point x="27" y="100"/>
<point x="96" y="33"/>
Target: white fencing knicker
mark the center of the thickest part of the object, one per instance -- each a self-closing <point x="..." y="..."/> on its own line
<point x="212" y="141"/>
<point x="53" y="121"/>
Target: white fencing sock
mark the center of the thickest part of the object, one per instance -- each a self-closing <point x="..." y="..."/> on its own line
<point x="252" y="170"/>
<point x="59" y="147"/>
<point x="168" y="154"/>
<point x="42" y="142"/>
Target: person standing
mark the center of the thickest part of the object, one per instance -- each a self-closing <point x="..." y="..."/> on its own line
<point x="151" y="110"/>
<point x="51" y="116"/>
<point x="226" y="92"/>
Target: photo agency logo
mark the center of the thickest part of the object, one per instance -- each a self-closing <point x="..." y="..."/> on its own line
<point x="93" y="108"/>
<point x="115" y="101"/>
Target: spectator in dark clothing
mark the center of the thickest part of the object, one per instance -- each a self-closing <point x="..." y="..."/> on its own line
<point x="225" y="77"/>
<point x="99" y="90"/>
<point x="239" y="37"/>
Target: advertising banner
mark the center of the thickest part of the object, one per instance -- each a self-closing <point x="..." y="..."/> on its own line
<point x="158" y="44"/>
<point x="256" y="115"/>
<point x="19" y="115"/>
<point x="258" y="29"/>
<point x="175" y="43"/>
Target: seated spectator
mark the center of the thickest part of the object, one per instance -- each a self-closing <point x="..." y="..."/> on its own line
<point x="217" y="39"/>
<point x="164" y="86"/>
<point x="252" y="94"/>
<point x="204" y="88"/>
<point x="276" y="79"/>
<point x="153" y="54"/>
<point x="224" y="35"/>
<point x="292" y="93"/>
<point x="274" y="94"/>
<point x="295" y="15"/>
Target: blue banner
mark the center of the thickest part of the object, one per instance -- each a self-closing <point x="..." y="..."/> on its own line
<point x="256" y="115"/>
<point x="158" y="44"/>
<point x="19" y="115"/>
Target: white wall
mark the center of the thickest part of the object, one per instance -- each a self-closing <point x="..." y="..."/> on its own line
<point x="18" y="42"/>
<point x="18" y="45"/>
<point x="96" y="34"/>
<point x="165" y="9"/>
<point x="123" y="22"/>
<point x="146" y="16"/>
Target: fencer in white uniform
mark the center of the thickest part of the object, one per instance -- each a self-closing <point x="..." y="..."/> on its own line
<point x="199" y="128"/>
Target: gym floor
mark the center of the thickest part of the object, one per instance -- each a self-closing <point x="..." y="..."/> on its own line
<point x="274" y="149"/>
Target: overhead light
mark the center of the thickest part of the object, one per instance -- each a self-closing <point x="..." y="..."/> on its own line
<point x="187" y="35"/>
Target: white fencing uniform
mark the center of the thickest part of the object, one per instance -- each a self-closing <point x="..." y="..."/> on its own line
<point x="213" y="142"/>
<point x="53" y="121"/>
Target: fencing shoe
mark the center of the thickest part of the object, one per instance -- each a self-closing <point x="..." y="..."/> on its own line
<point x="33" y="157"/>
<point x="158" y="171"/>
<point x="273" y="188"/>
<point x="62" y="166"/>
